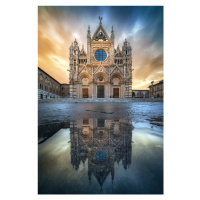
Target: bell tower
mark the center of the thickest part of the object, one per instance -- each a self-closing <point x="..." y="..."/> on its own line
<point x="127" y="62"/>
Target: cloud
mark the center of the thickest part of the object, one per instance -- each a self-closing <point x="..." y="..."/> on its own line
<point x="142" y="26"/>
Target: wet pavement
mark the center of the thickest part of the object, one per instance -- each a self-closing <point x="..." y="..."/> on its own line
<point x="100" y="148"/>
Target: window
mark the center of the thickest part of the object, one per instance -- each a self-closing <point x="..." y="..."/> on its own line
<point x="100" y="55"/>
<point x="40" y="86"/>
<point x="101" y="122"/>
<point x="85" y="121"/>
<point x="101" y="156"/>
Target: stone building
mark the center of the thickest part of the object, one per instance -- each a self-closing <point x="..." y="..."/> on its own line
<point x="64" y="90"/>
<point x="156" y="90"/>
<point x="102" y="143"/>
<point x="100" y="71"/>
<point x="140" y="93"/>
<point x="48" y="87"/>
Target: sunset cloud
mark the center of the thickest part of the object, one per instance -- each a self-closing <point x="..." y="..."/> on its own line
<point x="142" y="26"/>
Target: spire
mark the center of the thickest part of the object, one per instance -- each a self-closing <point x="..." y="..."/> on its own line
<point x="75" y="42"/>
<point x="88" y="29"/>
<point x="112" y="35"/>
<point x="88" y="33"/>
<point x="100" y="18"/>
<point x="125" y="43"/>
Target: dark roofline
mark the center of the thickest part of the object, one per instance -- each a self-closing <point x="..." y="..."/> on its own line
<point x="49" y="75"/>
<point x="157" y="83"/>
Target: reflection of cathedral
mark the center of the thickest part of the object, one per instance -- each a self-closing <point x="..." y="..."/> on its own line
<point x="100" y="71"/>
<point x="103" y="142"/>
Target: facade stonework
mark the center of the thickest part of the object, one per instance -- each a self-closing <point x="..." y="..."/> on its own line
<point x="48" y="87"/>
<point x="102" y="71"/>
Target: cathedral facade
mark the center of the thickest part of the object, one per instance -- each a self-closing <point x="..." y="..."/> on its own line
<point x="101" y="143"/>
<point x="102" y="71"/>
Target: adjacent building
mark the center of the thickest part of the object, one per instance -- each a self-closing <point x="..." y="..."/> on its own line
<point x="100" y="70"/>
<point x="156" y="90"/>
<point x="48" y="87"/>
<point x="140" y="93"/>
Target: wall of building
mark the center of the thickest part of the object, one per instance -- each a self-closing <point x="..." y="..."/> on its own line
<point x="64" y="90"/>
<point x="48" y="87"/>
<point x="157" y="91"/>
<point x="140" y="93"/>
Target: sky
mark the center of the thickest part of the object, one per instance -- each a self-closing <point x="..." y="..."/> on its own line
<point x="141" y="26"/>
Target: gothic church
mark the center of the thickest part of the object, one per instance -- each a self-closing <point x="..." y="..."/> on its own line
<point x="102" y="71"/>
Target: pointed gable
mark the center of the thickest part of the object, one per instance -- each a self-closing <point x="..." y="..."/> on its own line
<point x="118" y="52"/>
<point x="100" y="68"/>
<point x="100" y="35"/>
<point x="82" y="53"/>
<point x="116" y="69"/>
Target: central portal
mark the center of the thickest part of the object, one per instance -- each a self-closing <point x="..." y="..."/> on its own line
<point x="115" y="92"/>
<point x="85" y="92"/>
<point x="100" y="91"/>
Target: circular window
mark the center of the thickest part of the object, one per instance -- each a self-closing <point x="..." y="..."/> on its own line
<point x="100" y="156"/>
<point x="100" y="55"/>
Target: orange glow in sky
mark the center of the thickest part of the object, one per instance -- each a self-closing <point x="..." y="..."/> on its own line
<point x="59" y="26"/>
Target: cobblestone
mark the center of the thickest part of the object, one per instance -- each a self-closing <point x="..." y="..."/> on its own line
<point x="90" y="100"/>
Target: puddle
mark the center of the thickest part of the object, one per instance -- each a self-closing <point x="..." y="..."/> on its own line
<point x="100" y="156"/>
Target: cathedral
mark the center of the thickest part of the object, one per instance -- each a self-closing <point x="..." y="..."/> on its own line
<point x="102" y="71"/>
<point x="101" y="143"/>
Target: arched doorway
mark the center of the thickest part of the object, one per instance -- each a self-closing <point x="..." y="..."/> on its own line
<point x="115" y="92"/>
<point x="100" y="91"/>
<point x="85" y="92"/>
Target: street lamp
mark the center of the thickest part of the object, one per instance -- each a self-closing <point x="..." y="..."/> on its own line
<point x="152" y="89"/>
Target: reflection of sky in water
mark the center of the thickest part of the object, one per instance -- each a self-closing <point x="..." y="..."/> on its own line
<point x="146" y="127"/>
<point x="143" y="175"/>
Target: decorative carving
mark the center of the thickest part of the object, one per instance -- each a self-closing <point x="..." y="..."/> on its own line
<point x="100" y="36"/>
<point x="101" y="78"/>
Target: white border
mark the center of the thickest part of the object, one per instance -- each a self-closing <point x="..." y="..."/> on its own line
<point x="19" y="99"/>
